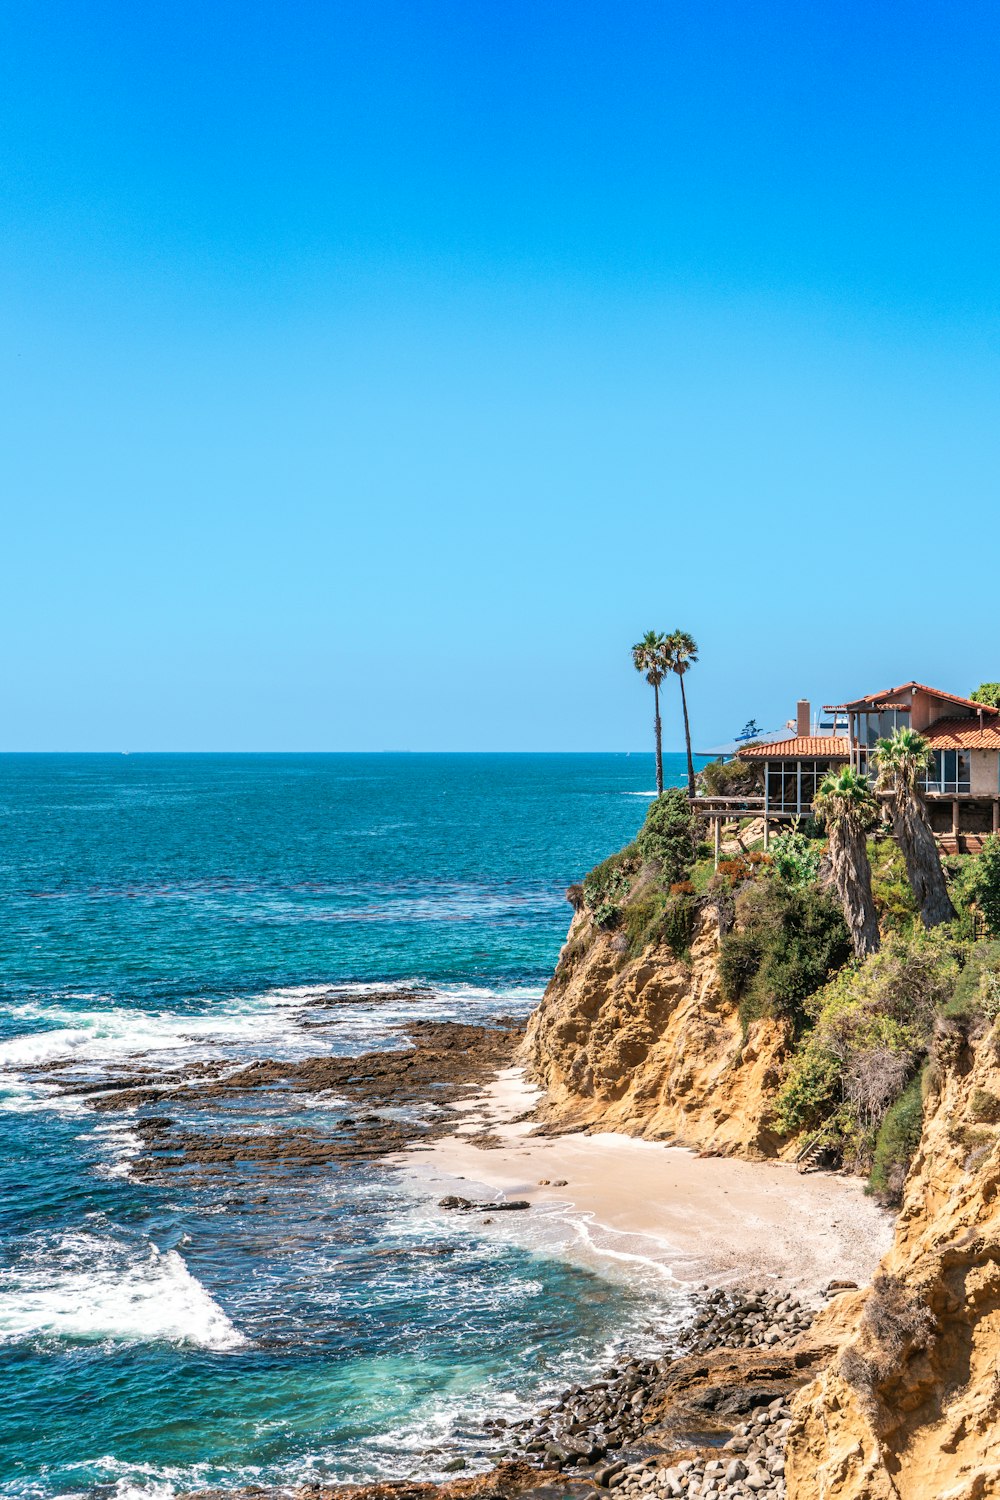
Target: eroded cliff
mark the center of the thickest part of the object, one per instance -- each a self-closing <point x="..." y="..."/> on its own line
<point x="648" y="1046"/>
<point x="910" y="1407"/>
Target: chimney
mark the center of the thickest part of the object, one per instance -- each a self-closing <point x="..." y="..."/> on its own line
<point x="802" y="713"/>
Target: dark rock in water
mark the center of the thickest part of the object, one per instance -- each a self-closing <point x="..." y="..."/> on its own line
<point x="466" y="1205"/>
<point x="453" y="1464"/>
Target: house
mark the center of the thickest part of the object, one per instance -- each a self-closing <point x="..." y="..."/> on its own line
<point x="961" y="789"/>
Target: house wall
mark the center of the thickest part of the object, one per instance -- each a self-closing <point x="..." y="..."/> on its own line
<point x="985" y="773"/>
<point x="926" y="708"/>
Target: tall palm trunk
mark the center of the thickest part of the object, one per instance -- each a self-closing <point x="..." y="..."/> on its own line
<point x="912" y="833"/>
<point x="852" y="875"/>
<point x="659" y="742"/>
<point x="692" y="789"/>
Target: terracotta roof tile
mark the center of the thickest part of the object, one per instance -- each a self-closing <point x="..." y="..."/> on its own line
<point x="963" y="734"/>
<point x="874" y="701"/>
<point x="800" y="747"/>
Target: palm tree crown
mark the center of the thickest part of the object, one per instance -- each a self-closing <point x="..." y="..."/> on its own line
<point x="902" y="761"/>
<point x="845" y="797"/>
<point x="648" y="656"/>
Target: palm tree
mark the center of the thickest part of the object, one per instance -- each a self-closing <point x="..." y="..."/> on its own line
<point x="682" y="653"/>
<point x="846" y="804"/>
<point x="901" y="761"/>
<point x="649" y="656"/>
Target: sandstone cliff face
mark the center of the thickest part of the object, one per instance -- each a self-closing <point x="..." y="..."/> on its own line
<point x="648" y="1046"/>
<point x="910" y="1408"/>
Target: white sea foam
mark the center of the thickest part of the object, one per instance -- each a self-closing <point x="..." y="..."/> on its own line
<point x="91" y="1289"/>
<point x="246" y="1025"/>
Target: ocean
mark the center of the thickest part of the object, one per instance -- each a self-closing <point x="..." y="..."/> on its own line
<point x="174" y="911"/>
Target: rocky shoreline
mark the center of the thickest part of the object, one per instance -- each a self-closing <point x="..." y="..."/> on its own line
<point x="705" y="1420"/>
<point x="404" y="1095"/>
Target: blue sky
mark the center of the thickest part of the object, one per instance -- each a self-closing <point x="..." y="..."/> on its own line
<point x="372" y="375"/>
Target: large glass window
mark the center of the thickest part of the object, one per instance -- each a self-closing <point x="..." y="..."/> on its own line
<point x="951" y="772"/>
<point x="792" y="785"/>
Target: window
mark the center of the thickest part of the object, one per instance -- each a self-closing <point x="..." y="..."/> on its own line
<point x="951" y="772"/>
<point x="792" y="785"/>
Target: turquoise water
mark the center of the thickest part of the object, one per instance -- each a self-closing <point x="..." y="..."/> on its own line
<point x="171" y="910"/>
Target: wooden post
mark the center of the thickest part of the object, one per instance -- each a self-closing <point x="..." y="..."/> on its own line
<point x="955" y="824"/>
<point x="996" y="815"/>
<point x="767" y="796"/>
<point x="717" y="822"/>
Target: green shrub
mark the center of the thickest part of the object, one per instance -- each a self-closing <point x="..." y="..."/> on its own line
<point x="873" y="1023"/>
<point x="811" y="1091"/>
<point x="975" y="996"/>
<point x="896" y="1144"/>
<point x="984" y="1107"/>
<point x="606" y="888"/>
<point x="796" y="859"/>
<point x="668" y="838"/>
<point x="656" y="918"/>
<point x="785" y="944"/>
<point x="677" y="924"/>
<point x="894" y="899"/>
<point x="641" y="918"/>
<point x="987" y="692"/>
<point x="986" y="883"/>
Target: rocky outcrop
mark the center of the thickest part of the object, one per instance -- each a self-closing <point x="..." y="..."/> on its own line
<point x="649" y="1047"/>
<point x="910" y="1407"/>
<point x="907" y="1404"/>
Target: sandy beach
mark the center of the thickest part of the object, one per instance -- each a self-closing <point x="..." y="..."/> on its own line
<point x="617" y="1203"/>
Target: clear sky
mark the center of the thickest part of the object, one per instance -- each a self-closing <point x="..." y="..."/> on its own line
<point x="373" y="374"/>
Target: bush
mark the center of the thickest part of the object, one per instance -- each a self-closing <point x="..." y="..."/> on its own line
<point x="744" y="867"/>
<point x="986" y="883"/>
<point x="668" y="838"/>
<point x="810" y="1092"/>
<point x="606" y="888"/>
<point x="987" y="692"/>
<point x="984" y="1107"/>
<point x="796" y="859"/>
<point x="894" y="1325"/>
<point x="656" y="918"/>
<point x="784" y="946"/>
<point x="642" y="919"/>
<point x="873" y="1026"/>
<point x="976" y="994"/>
<point x="678" y="924"/>
<point x="894" y="899"/>
<point x="896" y="1144"/>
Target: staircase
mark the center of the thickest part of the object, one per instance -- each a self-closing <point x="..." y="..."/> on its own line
<point x="809" y="1156"/>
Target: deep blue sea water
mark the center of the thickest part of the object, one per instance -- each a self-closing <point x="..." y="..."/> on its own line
<point x="181" y="909"/>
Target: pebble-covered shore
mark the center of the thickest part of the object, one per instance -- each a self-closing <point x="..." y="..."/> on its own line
<point x="606" y="1434"/>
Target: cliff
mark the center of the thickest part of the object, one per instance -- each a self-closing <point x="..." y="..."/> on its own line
<point x="646" y="1045"/>
<point x="910" y="1408"/>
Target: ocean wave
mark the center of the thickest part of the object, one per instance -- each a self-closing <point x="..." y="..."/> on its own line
<point x="247" y="1025"/>
<point x="91" y="1290"/>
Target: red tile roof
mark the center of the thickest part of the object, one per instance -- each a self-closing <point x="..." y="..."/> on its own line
<point x="873" y="701"/>
<point x="800" y="747"/>
<point x="963" y="734"/>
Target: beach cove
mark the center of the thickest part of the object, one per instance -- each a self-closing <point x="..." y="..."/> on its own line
<point x="616" y="1203"/>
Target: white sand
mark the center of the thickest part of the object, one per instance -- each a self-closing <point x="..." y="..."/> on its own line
<point x="630" y="1205"/>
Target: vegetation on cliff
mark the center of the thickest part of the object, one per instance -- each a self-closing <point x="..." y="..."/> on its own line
<point x="859" y="1023"/>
